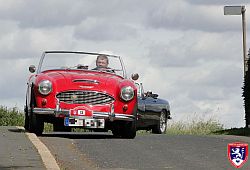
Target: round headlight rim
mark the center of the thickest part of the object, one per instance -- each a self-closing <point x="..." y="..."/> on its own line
<point x="122" y="91"/>
<point x="40" y="85"/>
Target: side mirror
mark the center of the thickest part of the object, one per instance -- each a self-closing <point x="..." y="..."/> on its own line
<point x="135" y="76"/>
<point x="32" y="68"/>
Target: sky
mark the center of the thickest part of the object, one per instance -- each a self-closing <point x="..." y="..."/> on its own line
<point x="187" y="51"/>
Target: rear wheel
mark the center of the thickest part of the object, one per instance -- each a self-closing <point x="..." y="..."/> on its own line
<point x="161" y="125"/>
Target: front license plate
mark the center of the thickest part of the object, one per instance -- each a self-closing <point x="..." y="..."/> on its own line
<point x="87" y="123"/>
<point x="94" y="123"/>
<point x="73" y="122"/>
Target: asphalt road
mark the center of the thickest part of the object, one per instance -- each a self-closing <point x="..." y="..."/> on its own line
<point x="17" y="152"/>
<point x="102" y="151"/>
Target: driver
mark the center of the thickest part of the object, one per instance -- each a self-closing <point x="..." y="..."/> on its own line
<point x="102" y="62"/>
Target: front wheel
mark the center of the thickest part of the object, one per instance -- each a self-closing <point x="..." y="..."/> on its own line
<point x="161" y="125"/>
<point x="26" y="119"/>
<point x="125" y="129"/>
<point x="36" y="124"/>
<point x="129" y="130"/>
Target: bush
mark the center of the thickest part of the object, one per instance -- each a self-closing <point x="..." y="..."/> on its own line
<point x="11" y="117"/>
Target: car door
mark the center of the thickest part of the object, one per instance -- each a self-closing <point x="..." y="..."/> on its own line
<point x="152" y="110"/>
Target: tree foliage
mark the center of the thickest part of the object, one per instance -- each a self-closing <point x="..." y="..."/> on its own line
<point x="246" y="94"/>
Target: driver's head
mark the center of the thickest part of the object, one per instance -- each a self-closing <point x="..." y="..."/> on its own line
<point x="102" y="61"/>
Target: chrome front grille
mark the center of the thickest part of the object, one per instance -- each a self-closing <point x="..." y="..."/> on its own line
<point x="84" y="97"/>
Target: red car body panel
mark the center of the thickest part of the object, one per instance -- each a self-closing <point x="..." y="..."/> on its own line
<point x="71" y="81"/>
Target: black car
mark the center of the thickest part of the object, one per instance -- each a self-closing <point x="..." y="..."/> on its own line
<point x="153" y="112"/>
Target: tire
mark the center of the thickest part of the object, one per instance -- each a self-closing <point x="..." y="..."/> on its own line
<point x="26" y="119"/>
<point x="124" y="129"/>
<point x="116" y="133"/>
<point x="161" y="126"/>
<point x="129" y="130"/>
<point x="35" y="121"/>
<point x="36" y="124"/>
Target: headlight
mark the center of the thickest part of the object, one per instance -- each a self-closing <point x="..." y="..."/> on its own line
<point x="45" y="87"/>
<point x="127" y="93"/>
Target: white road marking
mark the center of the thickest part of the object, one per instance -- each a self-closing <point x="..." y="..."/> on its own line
<point x="47" y="158"/>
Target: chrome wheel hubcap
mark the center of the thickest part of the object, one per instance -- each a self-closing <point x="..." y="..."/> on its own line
<point x="163" y="122"/>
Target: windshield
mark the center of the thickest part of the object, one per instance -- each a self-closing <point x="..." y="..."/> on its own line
<point x="67" y="60"/>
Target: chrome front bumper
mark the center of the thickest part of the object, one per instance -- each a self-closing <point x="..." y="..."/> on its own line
<point x="97" y="115"/>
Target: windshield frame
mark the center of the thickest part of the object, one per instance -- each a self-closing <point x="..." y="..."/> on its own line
<point x="79" y="52"/>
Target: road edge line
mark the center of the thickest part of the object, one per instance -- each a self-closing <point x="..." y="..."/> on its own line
<point x="48" y="159"/>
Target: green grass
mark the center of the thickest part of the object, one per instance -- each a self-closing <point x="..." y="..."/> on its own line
<point x="48" y="127"/>
<point x="11" y="117"/>
<point x="195" y="127"/>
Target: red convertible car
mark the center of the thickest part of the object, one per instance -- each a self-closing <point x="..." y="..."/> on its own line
<point x="79" y="89"/>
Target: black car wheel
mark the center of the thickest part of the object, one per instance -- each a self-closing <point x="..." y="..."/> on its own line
<point x="26" y="119"/>
<point x="129" y="130"/>
<point x="35" y="121"/>
<point x="125" y="129"/>
<point x="161" y="126"/>
<point x="36" y="124"/>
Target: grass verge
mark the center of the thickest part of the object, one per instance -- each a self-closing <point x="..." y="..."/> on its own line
<point x="195" y="127"/>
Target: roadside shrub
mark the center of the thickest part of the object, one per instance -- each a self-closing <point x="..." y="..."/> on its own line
<point x="11" y="117"/>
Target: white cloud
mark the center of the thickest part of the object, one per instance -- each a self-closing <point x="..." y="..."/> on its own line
<point x="95" y="29"/>
<point x="181" y="15"/>
<point x="186" y="51"/>
<point x="193" y="48"/>
<point x="39" y="14"/>
<point x="215" y="2"/>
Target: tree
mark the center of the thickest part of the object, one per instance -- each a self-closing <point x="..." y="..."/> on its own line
<point x="246" y="93"/>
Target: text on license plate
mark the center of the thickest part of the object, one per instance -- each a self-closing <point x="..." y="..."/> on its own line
<point x="87" y="123"/>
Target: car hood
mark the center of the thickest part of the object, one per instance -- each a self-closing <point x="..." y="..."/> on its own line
<point x="84" y="80"/>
